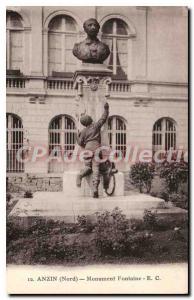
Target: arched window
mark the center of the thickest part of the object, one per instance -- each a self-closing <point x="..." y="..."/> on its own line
<point x="117" y="134"/>
<point x="15" y="41"/>
<point x="14" y="142"/>
<point x="164" y="135"/>
<point x="62" y="140"/>
<point x="115" y="35"/>
<point x="62" y="36"/>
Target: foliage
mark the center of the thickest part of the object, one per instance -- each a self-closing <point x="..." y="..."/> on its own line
<point x="114" y="239"/>
<point x="42" y="227"/>
<point x="8" y="197"/>
<point x="150" y="219"/>
<point x="164" y="195"/>
<point x="179" y="200"/>
<point x="141" y="175"/>
<point x="84" y="224"/>
<point x="28" y="194"/>
<point x="113" y="235"/>
<point x="12" y="232"/>
<point x="174" y="173"/>
<point x="54" y="248"/>
<point x="111" y="231"/>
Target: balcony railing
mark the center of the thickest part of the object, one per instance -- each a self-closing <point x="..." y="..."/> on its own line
<point x="16" y="82"/>
<point x="65" y="84"/>
<point x="59" y="84"/>
<point x="120" y="87"/>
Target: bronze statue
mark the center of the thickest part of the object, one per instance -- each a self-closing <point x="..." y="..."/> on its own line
<point x="91" y="50"/>
<point x="90" y="139"/>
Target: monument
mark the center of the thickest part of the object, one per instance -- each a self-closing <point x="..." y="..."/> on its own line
<point x="91" y="84"/>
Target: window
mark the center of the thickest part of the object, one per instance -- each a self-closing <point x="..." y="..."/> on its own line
<point x="15" y="43"/>
<point x="115" y="35"/>
<point x="62" y="36"/>
<point x="164" y="135"/>
<point x="62" y="140"/>
<point x="14" y="143"/>
<point x="117" y="134"/>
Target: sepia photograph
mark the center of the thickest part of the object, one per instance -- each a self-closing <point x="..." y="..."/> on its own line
<point x="97" y="168"/>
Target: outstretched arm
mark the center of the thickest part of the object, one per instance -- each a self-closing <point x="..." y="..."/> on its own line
<point x="104" y="117"/>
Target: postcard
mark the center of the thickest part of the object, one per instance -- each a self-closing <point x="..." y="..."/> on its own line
<point x="97" y="149"/>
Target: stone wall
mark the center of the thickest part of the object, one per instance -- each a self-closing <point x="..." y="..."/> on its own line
<point x="33" y="183"/>
<point x="25" y="182"/>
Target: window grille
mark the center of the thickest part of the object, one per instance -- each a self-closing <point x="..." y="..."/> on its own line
<point x="164" y="135"/>
<point x="62" y="140"/>
<point x="117" y="134"/>
<point x="15" y="135"/>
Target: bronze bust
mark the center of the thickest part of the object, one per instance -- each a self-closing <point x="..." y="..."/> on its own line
<point x="91" y="50"/>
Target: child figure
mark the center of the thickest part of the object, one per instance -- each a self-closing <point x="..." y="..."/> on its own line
<point x="90" y="139"/>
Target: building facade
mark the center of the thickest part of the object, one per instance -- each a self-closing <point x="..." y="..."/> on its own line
<point x="148" y="94"/>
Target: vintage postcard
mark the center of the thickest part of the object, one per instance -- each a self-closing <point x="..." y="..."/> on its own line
<point x="97" y="149"/>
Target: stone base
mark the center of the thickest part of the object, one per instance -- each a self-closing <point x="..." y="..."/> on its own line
<point x="92" y="70"/>
<point x="54" y="205"/>
<point x="71" y="190"/>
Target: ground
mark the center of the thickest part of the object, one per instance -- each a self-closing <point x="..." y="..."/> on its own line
<point x="155" y="239"/>
<point x="59" y="243"/>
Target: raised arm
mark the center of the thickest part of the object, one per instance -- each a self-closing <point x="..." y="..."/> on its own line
<point x="104" y="117"/>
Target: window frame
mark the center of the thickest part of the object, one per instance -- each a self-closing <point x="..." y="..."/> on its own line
<point x="63" y="135"/>
<point x="63" y="34"/>
<point x="10" y="29"/>
<point x="115" y="37"/>
<point x="161" y="138"/>
<point x="113" y="134"/>
<point x="12" y="165"/>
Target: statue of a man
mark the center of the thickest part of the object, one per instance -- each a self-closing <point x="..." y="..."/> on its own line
<point x="91" y="50"/>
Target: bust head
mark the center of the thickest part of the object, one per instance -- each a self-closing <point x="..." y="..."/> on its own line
<point x="91" y="50"/>
<point x="91" y="27"/>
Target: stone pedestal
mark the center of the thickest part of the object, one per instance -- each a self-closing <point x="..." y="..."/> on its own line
<point x="53" y="205"/>
<point x="91" y="82"/>
<point x="71" y="190"/>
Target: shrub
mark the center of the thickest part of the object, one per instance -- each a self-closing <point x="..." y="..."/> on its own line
<point x="84" y="224"/>
<point x="41" y="227"/>
<point x="55" y="248"/>
<point x="8" y="197"/>
<point x="13" y="232"/>
<point x="114" y="237"/>
<point x="179" y="200"/>
<point x="111" y="232"/>
<point x="174" y="173"/>
<point x="154" y="194"/>
<point x="28" y="194"/>
<point x="139" y="243"/>
<point x="141" y="175"/>
<point x="150" y="219"/>
<point x="178" y="234"/>
<point x="164" y="195"/>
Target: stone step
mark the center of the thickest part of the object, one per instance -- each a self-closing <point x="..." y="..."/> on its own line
<point x="56" y="204"/>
